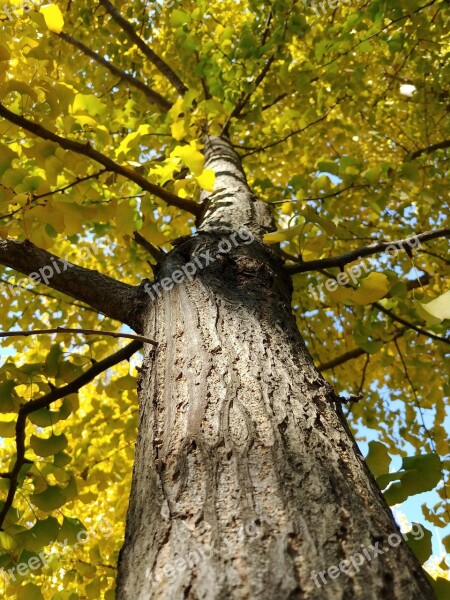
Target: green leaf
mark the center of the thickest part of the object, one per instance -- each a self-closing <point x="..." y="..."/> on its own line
<point x="49" y="446"/>
<point x="420" y="545"/>
<point x="51" y="499"/>
<point x="378" y="459"/>
<point x="89" y="103"/>
<point x="6" y="541"/>
<point x="179" y="18"/>
<point x="419" y="474"/>
<point x="327" y="166"/>
<point x="69" y="530"/>
<point x="7" y="400"/>
<point x="40" y="535"/>
<point x="441" y="588"/>
<point x="51" y="365"/>
<point x="29" y="591"/>
<point x="7" y="426"/>
<point x="311" y="216"/>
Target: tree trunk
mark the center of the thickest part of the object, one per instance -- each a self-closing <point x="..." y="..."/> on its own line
<point x="246" y="479"/>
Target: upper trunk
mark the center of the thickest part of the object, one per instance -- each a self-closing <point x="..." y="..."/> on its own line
<point x="246" y="477"/>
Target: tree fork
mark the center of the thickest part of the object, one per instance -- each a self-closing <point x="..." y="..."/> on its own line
<point x="246" y="477"/>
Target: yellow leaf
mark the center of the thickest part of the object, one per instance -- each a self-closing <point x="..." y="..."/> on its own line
<point x="178" y="130"/>
<point x="286" y="208"/>
<point x="371" y="289"/>
<point x="176" y="109"/>
<point x="283" y="235"/>
<point x="438" y="309"/>
<point x="90" y="104"/>
<point x="191" y="157"/>
<point x="342" y="294"/>
<point x="206" y="180"/>
<point x="53" y="17"/>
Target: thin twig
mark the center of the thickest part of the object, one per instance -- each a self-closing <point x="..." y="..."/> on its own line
<point x="114" y="334"/>
<point x="402" y="321"/>
<point x="352" y="354"/>
<point x="348" y="257"/>
<point x="44" y="402"/>
<point x="152" y="96"/>
<point x="87" y="150"/>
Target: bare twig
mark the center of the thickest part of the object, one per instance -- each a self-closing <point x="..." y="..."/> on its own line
<point x="114" y="334"/>
<point x="152" y="96"/>
<point x="348" y="257"/>
<point x="410" y="325"/>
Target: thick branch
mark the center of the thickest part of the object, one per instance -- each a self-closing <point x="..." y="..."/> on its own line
<point x="115" y="299"/>
<point x="156" y="60"/>
<point x="430" y="149"/>
<point x="152" y="96"/>
<point x="44" y="402"/>
<point x="87" y="150"/>
<point x="349" y="257"/>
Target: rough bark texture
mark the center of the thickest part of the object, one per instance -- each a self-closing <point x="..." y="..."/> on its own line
<point x="246" y="477"/>
<point x="113" y="298"/>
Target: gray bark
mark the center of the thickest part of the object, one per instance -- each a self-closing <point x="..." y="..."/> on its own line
<point x="246" y="477"/>
<point x="113" y="298"/>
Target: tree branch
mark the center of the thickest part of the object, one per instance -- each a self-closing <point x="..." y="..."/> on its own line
<point x="394" y="317"/>
<point x="152" y="96"/>
<point x="155" y="252"/>
<point x="87" y="150"/>
<point x="430" y="149"/>
<point x="114" y="334"/>
<point x="44" y="402"/>
<point x="245" y="98"/>
<point x="352" y="354"/>
<point x="289" y="135"/>
<point x="70" y="185"/>
<point x="348" y="257"/>
<point x="156" y="60"/>
<point x="321" y="198"/>
<point x="116" y="300"/>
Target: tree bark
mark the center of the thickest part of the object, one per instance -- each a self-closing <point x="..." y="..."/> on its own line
<point x="246" y="477"/>
<point x="113" y="298"/>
